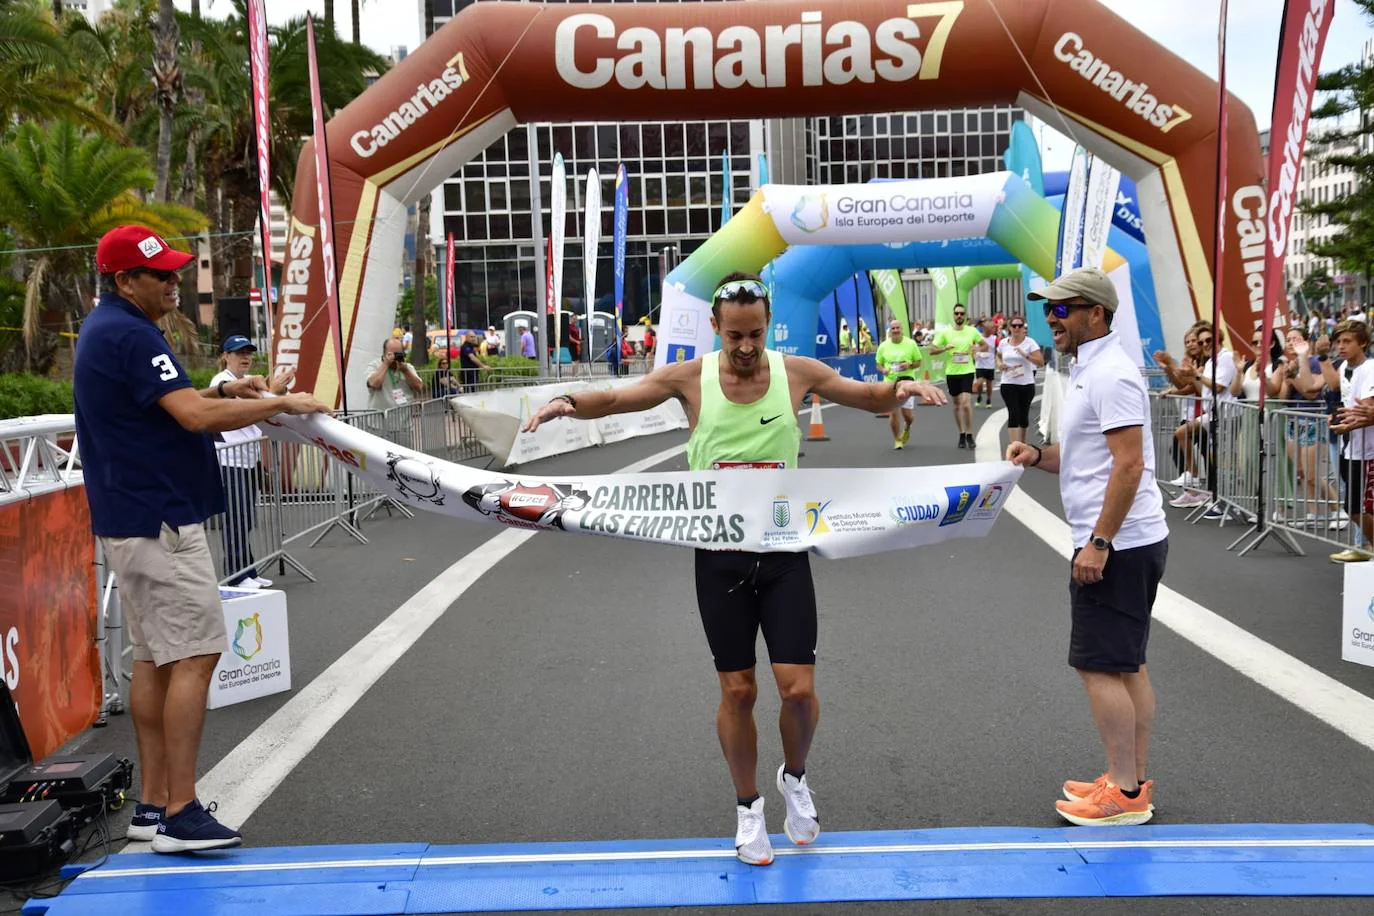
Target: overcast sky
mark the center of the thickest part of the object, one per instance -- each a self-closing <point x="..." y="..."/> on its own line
<point x="1187" y="27"/>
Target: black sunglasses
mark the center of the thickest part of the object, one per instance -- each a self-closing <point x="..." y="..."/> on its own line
<point x="1061" y="310"/>
<point x="1016" y="324"/>
<point x="163" y="276"/>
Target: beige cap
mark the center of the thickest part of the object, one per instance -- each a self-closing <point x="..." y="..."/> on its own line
<point x="1085" y="283"/>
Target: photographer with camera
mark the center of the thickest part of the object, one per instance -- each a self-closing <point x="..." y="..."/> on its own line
<point x="391" y="381"/>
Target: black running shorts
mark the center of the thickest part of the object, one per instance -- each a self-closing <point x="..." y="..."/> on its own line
<point x="1018" y="400"/>
<point x="738" y="592"/>
<point x="959" y="384"/>
<point x="1111" y="618"/>
<point x="983" y="374"/>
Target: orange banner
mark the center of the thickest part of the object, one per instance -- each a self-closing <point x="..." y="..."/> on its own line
<point x="49" y="617"/>
<point x="1072" y="63"/>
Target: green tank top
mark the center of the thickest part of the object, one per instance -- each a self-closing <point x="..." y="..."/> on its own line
<point x="765" y="431"/>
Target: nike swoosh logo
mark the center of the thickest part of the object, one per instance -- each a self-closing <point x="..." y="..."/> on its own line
<point x="763" y="422"/>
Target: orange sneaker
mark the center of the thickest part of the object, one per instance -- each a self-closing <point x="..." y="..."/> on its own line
<point x="1076" y="791"/>
<point x="1106" y="806"/>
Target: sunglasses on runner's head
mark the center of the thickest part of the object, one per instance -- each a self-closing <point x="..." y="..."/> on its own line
<point x="740" y="289"/>
<point x="162" y="276"/>
<point x="1061" y="310"/>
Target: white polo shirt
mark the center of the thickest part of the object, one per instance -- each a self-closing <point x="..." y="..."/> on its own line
<point x="1105" y="392"/>
<point x="1359" y="445"/>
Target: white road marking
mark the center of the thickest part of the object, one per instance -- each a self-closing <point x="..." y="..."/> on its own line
<point x="1347" y="710"/>
<point x="650" y="855"/>
<point x="245" y="777"/>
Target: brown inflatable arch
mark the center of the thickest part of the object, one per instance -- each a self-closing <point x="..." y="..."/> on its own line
<point x="1071" y="63"/>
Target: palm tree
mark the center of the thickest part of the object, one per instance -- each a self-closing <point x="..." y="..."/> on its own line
<point x="225" y="122"/>
<point x="60" y="189"/>
<point x="38" y="79"/>
<point x="166" y="74"/>
<point x="357" y="22"/>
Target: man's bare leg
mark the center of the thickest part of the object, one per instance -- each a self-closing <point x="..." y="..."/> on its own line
<point x="800" y="712"/>
<point x="739" y="739"/>
<point x="182" y="719"/>
<point x="147" y="701"/>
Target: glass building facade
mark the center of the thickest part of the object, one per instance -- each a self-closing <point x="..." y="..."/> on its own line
<point x="678" y="183"/>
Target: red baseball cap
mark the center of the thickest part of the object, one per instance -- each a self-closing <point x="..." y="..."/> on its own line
<point x="127" y="247"/>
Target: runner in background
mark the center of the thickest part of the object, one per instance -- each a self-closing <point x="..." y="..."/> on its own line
<point x="961" y="341"/>
<point x="1018" y="356"/>
<point x="984" y="364"/>
<point x="899" y="357"/>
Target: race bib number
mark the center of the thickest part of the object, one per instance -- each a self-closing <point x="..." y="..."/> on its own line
<point x="961" y="357"/>
<point x="398" y="397"/>
<point x="1014" y="370"/>
<point x="755" y="465"/>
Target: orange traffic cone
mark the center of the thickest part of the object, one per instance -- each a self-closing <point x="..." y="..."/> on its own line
<point x="817" y="431"/>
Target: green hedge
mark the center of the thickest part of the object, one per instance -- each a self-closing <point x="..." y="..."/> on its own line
<point x="31" y="395"/>
<point x="508" y="366"/>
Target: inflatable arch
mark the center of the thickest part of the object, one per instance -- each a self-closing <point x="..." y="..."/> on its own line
<point x="838" y="231"/>
<point x="497" y="64"/>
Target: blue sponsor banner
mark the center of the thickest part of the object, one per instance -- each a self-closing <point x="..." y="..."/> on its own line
<point x="861" y="368"/>
<point x="681" y="353"/>
<point x="961" y="500"/>
<point x="622" y="216"/>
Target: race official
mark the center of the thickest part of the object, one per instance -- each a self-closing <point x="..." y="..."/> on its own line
<point x="1105" y="463"/>
<point x="151" y="481"/>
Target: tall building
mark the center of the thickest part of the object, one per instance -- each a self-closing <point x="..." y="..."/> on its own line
<point x="678" y="184"/>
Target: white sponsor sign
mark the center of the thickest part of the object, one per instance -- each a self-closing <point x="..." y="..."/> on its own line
<point x="834" y="512"/>
<point x="910" y="211"/>
<point x="1103" y="182"/>
<point x="497" y="416"/>
<point x="1357" y="619"/>
<point x="258" y="662"/>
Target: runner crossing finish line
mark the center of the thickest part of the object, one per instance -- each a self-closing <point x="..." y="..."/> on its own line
<point x="749" y="512"/>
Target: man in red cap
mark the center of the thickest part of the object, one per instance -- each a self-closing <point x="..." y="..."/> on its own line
<point x="152" y="481"/>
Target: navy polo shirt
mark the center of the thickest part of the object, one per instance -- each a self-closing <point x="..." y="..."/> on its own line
<point x="141" y="467"/>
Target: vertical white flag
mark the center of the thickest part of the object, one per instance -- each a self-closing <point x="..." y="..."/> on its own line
<point x="558" y="210"/>
<point x="1103" y="182"/>
<point x="590" y="241"/>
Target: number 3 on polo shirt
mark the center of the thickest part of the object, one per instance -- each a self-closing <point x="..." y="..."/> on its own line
<point x="164" y="364"/>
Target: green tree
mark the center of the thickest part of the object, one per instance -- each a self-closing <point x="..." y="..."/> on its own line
<point x="61" y="189"/>
<point x="225" y="122"/>
<point x="1340" y="123"/>
<point x="39" y="75"/>
<point x="405" y="305"/>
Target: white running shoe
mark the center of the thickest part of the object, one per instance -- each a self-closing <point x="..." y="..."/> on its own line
<point x="752" y="846"/>
<point x="802" y="825"/>
<point x="1190" y="499"/>
<point x="264" y="582"/>
<point x="1183" y="480"/>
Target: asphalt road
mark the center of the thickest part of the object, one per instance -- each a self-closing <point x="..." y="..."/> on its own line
<point x="569" y="694"/>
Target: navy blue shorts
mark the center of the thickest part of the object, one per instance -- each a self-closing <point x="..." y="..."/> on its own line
<point x="1111" y="618"/>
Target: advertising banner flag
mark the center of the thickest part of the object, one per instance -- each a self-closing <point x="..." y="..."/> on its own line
<point x="763" y="169"/>
<point x="1305" y="24"/>
<point x="621" y="225"/>
<point x="832" y="512"/>
<point x="726" y="191"/>
<point x="1099" y="209"/>
<point x="326" y="208"/>
<point x="916" y="210"/>
<point x="591" y="241"/>
<point x="548" y="276"/>
<point x="450" y="310"/>
<point x="262" y="130"/>
<point x="888" y="283"/>
<point x="558" y="213"/>
<point x="1070" y="251"/>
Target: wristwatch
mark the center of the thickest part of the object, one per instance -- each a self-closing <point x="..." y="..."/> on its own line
<point x="1100" y="542"/>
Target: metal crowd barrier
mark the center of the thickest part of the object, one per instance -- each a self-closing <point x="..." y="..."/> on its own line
<point x="1294" y="487"/>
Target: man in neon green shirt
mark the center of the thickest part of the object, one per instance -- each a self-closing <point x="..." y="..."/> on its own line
<point x="742" y="404"/>
<point x="961" y="341"/>
<point x="898" y="357"/>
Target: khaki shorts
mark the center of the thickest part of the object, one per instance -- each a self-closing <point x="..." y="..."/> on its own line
<point x="168" y="594"/>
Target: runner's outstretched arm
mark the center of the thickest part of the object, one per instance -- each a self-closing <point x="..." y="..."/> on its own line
<point x="873" y="396"/>
<point x="655" y="388"/>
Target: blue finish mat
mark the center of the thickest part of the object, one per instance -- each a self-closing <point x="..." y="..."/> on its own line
<point x="1284" y="860"/>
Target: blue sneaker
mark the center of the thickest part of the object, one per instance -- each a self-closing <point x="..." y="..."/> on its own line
<point x="192" y="829"/>
<point x="143" y="827"/>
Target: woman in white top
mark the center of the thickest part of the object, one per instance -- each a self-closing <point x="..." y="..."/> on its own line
<point x="1018" y="356"/>
<point x="239" y="454"/>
